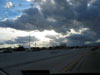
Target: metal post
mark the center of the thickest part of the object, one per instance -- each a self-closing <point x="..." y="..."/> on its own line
<point x="29" y="42"/>
<point x="35" y="44"/>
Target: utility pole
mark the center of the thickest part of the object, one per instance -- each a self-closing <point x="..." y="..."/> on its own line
<point x="35" y="44"/>
<point x="29" y="43"/>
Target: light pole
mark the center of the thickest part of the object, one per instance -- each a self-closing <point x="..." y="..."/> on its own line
<point x="35" y="44"/>
<point x="29" y="41"/>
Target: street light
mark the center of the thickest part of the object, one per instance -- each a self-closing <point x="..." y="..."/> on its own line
<point x="29" y="41"/>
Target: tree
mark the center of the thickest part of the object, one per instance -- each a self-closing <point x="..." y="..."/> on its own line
<point x="20" y="48"/>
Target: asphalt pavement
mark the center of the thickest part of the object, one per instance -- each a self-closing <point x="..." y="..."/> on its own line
<point x="58" y="64"/>
<point x="90" y="63"/>
<point x="81" y="61"/>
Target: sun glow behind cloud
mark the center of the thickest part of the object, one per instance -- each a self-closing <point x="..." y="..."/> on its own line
<point x="41" y="35"/>
<point x="91" y="2"/>
<point x="28" y="0"/>
<point x="9" y="33"/>
<point x="12" y="34"/>
<point x="69" y="2"/>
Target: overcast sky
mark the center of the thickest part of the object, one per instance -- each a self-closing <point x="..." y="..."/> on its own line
<point x="49" y="22"/>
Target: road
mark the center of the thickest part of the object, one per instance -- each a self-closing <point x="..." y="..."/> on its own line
<point x="79" y="61"/>
<point x="90" y="63"/>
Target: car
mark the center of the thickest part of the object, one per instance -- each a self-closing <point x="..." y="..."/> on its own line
<point x="94" y="48"/>
<point x="7" y="51"/>
<point x="1" y="51"/>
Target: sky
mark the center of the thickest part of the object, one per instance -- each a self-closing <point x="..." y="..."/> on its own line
<point x="49" y="22"/>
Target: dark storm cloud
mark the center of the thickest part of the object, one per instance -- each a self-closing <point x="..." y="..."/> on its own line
<point x="25" y="39"/>
<point x="74" y="38"/>
<point x="56" y="40"/>
<point x="60" y="10"/>
<point x="21" y="40"/>
<point x="35" y="19"/>
<point x="9" y="42"/>
<point x="1" y="43"/>
<point x="90" y="17"/>
<point x="80" y="39"/>
<point x="32" y="18"/>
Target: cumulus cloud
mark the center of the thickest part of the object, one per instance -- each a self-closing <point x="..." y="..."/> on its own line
<point x="9" y="5"/>
<point x="59" y="20"/>
<point x="28" y="0"/>
<point x="82" y="38"/>
<point x="21" y="40"/>
<point x="90" y="17"/>
<point x="56" y="39"/>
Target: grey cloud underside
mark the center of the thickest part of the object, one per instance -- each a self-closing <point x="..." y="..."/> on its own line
<point x="21" y="40"/>
<point x="56" y="41"/>
<point x="64" y="15"/>
<point x="32" y="19"/>
<point x="81" y="39"/>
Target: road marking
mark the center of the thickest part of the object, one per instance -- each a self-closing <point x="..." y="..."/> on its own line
<point x="66" y="68"/>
